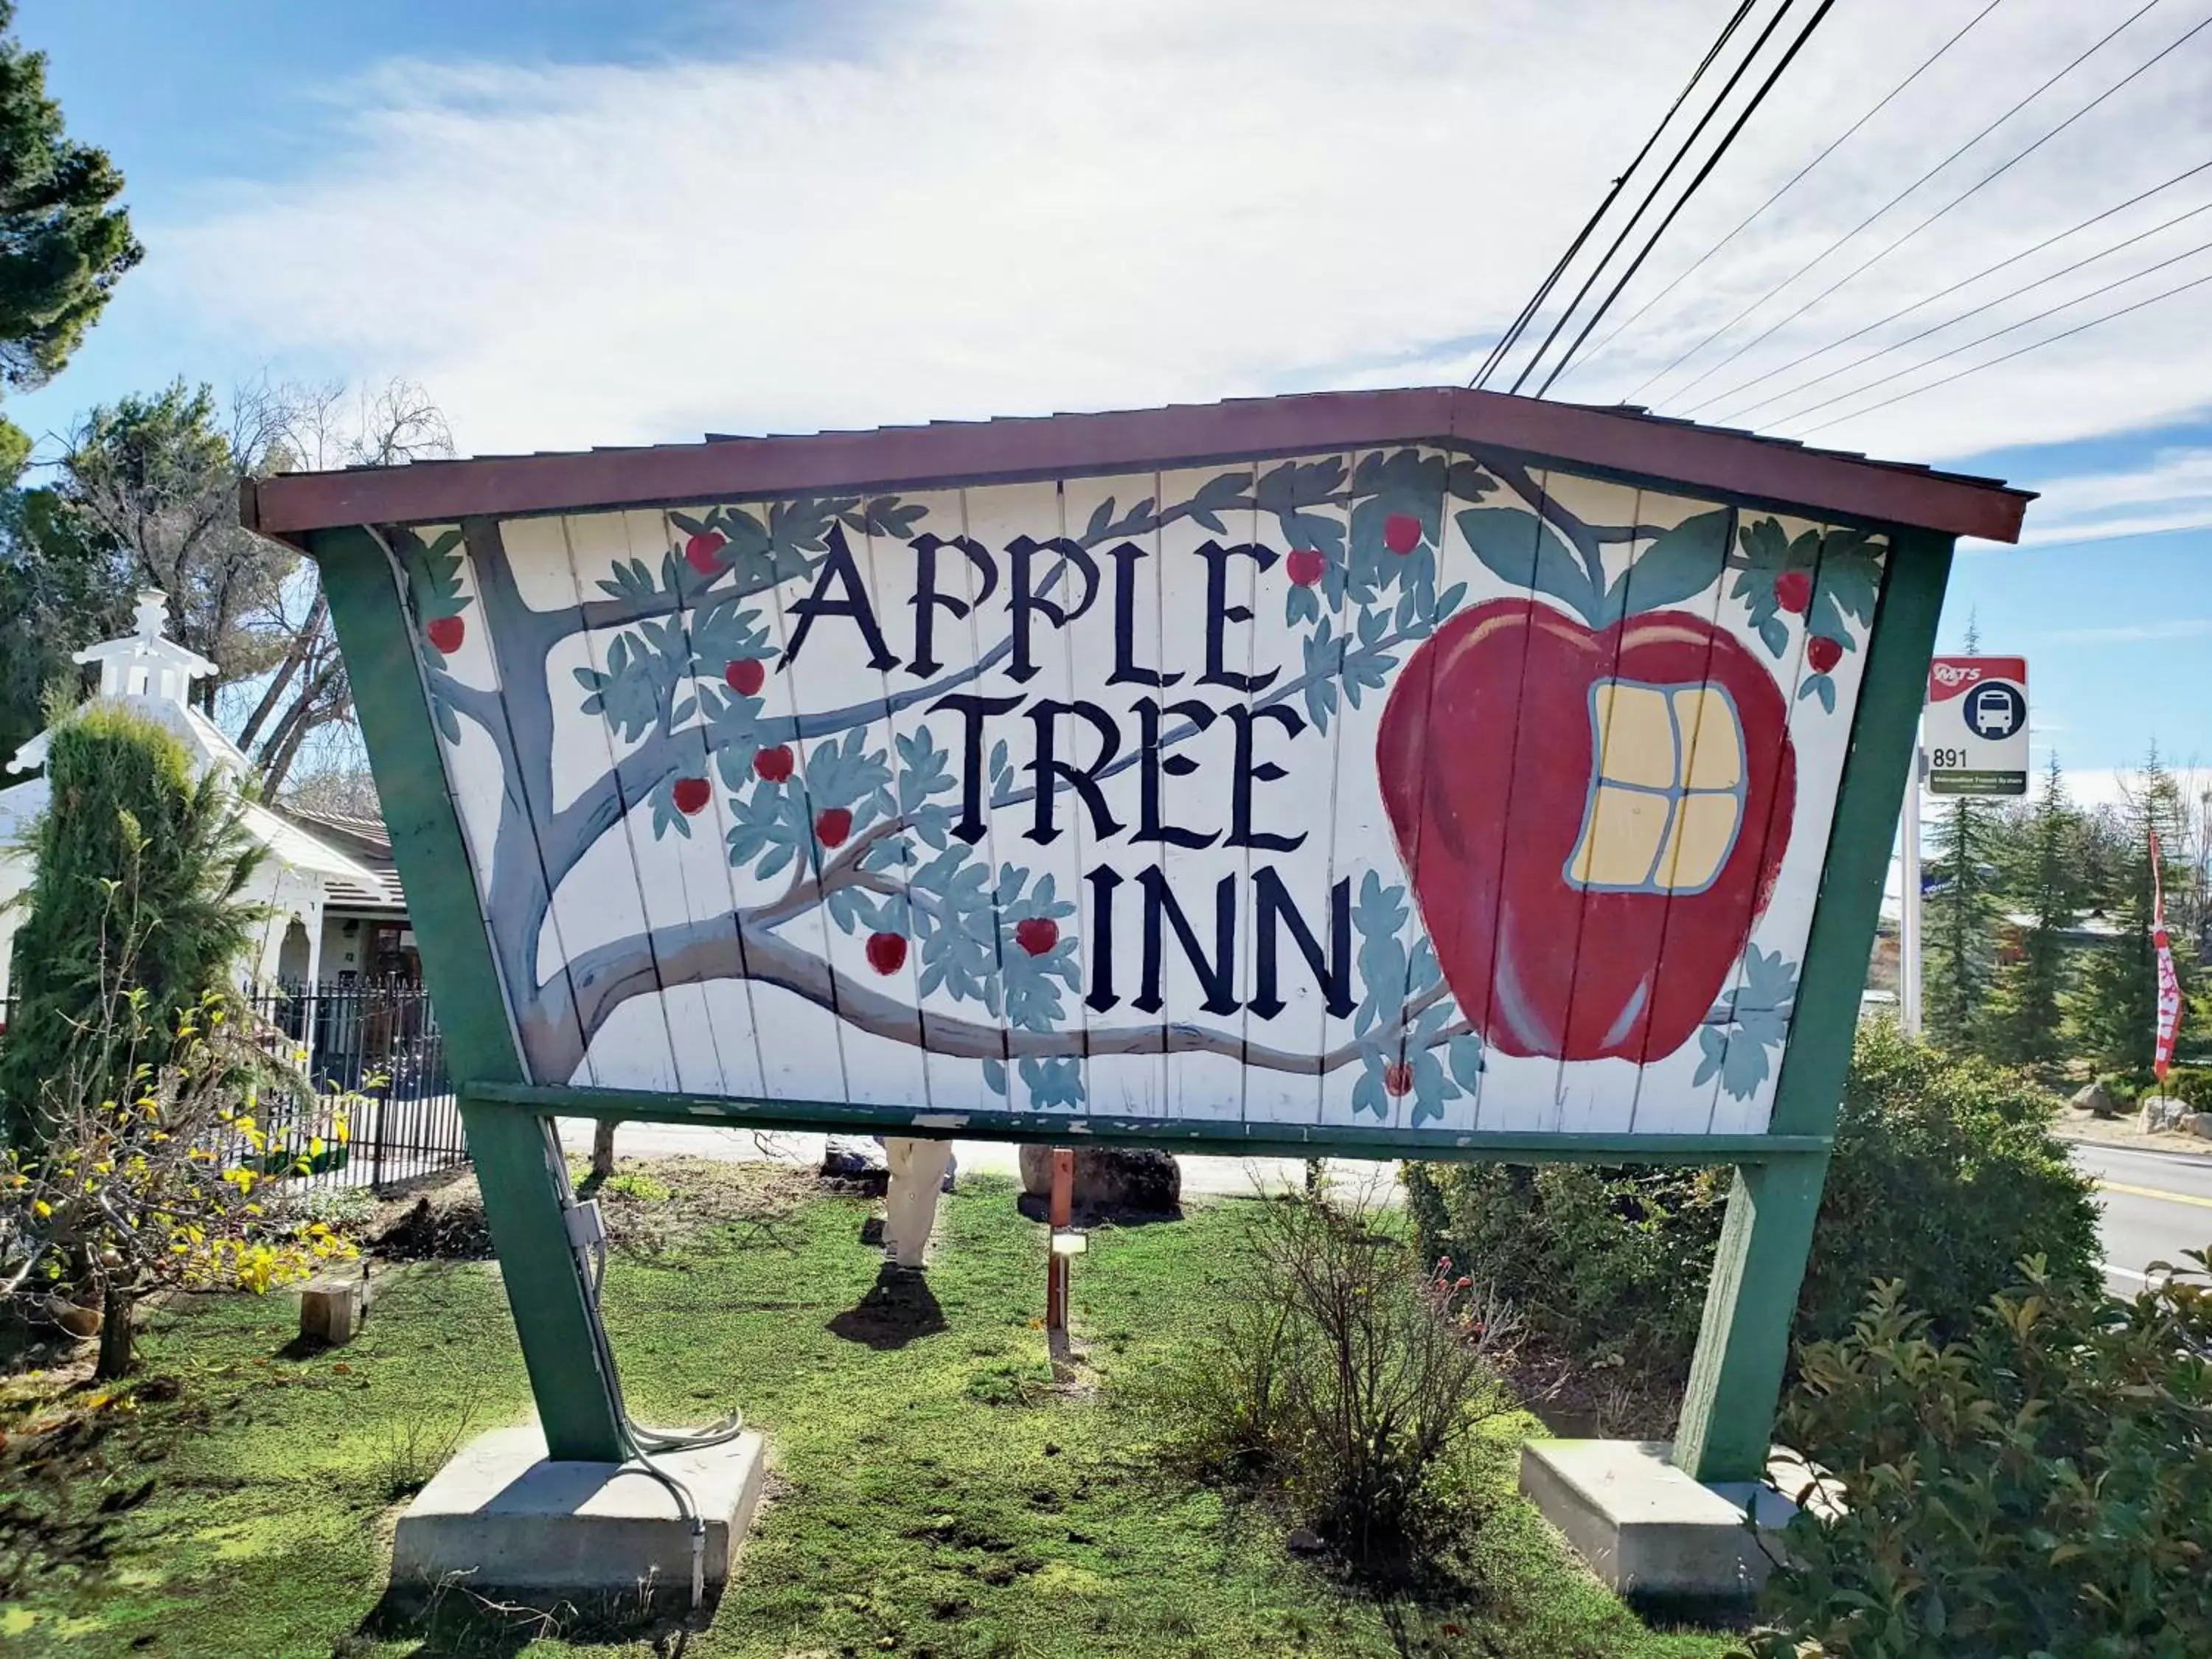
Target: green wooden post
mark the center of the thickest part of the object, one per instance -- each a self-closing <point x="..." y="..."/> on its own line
<point x="514" y="1155"/>
<point x="1743" y="1344"/>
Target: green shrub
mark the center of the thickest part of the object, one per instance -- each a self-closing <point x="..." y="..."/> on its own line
<point x="1944" y="1176"/>
<point x="139" y="870"/>
<point x="2191" y="1084"/>
<point x="1348" y="1378"/>
<point x="2040" y="1488"/>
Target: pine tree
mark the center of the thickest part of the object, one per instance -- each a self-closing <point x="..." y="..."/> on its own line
<point x="1961" y="922"/>
<point x="139" y="876"/>
<point x="2041" y="867"/>
<point x="2114" y="1007"/>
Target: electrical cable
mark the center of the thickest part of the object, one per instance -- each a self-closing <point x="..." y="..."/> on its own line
<point x="1944" y="293"/>
<point x="2116" y="282"/>
<point x="640" y="1444"/>
<point x="2033" y="345"/>
<point x="1972" y="190"/>
<point x="1948" y="322"/>
<point x="1823" y="255"/>
<point x="1926" y="63"/>
<point x="1711" y="161"/>
<point x="1651" y="195"/>
<point x="1506" y="340"/>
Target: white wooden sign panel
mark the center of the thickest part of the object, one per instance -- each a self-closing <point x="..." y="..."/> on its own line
<point x="1392" y="789"/>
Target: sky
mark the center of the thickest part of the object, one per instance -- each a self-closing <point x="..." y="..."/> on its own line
<point x="580" y="221"/>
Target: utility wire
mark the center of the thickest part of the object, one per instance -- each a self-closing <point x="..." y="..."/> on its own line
<point x="1703" y="172"/>
<point x="1943" y="293"/>
<point x="2063" y="305"/>
<point x="1651" y="195"/>
<point x="2033" y="345"/>
<point x="1821" y="257"/>
<point x="1928" y="63"/>
<point x="1971" y="191"/>
<point x="1512" y="336"/>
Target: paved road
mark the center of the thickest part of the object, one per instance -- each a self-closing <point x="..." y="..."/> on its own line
<point x="2156" y="1205"/>
<point x="1201" y="1176"/>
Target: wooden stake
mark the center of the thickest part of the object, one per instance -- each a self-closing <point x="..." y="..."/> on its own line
<point x="1061" y="1214"/>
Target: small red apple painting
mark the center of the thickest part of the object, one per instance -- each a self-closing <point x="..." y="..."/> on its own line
<point x="446" y="633"/>
<point x="1540" y="790"/>
<point x="692" y="795"/>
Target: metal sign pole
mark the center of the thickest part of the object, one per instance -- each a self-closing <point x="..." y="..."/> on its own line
<point x="1908" y="924"/>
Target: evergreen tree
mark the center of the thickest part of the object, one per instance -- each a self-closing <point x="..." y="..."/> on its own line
<point x="2114" y="1007"/>
<point x="140" y="871"/>
<point x="2041" y="867"/>
<point x="1961" y="921"/>
<point x="63" y="241"/>
<point x="62" y="587"/>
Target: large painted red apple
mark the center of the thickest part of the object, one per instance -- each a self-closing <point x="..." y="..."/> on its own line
<point x="1587" y="903"/>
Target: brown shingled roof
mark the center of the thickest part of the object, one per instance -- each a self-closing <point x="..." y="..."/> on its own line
<point x="1738" y="465"/>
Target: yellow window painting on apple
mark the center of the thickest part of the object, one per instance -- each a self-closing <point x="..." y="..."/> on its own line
<point x="1666" y="788"/>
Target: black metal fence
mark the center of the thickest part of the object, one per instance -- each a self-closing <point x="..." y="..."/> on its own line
<point x="378" y="1110"/>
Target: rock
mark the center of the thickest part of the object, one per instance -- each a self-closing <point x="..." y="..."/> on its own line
<point x="2158" y="1114"/>
<point x="1109" y="1178"/>
<point x="2095" y="1099"/>
<point x="2200" y="1125"/>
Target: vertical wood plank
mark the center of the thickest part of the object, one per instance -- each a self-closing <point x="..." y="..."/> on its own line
<point x="802" y="1042"/>
<point x="634" y="1048"/>
<point x="1821" y="739"/>
<point x="1516" y="1087"/>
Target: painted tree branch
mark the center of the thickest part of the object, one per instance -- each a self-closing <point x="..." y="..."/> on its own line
<point x="724" y="947"/>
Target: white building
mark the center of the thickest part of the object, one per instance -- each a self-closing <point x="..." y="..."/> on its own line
<point x="310" y="890"/>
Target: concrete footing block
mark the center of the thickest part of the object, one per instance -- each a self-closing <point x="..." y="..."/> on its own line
<point x="503" y="1517"/>
<point x="1645" y="1528"/>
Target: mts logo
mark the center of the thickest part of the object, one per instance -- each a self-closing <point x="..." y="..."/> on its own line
<point x="1951" y="675"/>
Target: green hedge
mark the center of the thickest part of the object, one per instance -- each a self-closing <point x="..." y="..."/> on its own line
<point x="2041" y="1488"/>
<point x="1944" y="1176"/>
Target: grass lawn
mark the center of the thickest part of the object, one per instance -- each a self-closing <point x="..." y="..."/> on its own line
<point x="931" y="1492"/>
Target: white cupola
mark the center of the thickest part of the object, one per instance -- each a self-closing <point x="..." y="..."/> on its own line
<point x="152" y="674"/>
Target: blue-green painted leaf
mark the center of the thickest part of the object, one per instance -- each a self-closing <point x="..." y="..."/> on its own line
<point x="1682" y="561"/>
<point x="1521" y="550"/>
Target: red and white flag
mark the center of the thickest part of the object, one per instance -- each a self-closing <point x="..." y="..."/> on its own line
<point x="2169" y="983"/>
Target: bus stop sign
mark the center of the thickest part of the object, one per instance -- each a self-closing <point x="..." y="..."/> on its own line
<point x="1977" y="726"/>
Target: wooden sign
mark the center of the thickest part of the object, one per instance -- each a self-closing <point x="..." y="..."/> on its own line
<point x="1396" y="787"/>
<point x="1426" y="772"/>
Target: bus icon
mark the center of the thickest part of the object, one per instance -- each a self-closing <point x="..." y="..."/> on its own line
<point x="1996" y="710"/>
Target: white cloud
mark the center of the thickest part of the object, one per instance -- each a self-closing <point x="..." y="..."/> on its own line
<point x="979" y="206"/>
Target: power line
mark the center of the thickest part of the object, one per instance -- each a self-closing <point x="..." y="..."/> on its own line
<point x="1512" y="336"/>
<point x="1703" y="172"/>
<point x="1950" y="322"/>
<point x="2033" y="345"/>
<point x="1651" y="195"/>
<point x="1971" y="191"/>
<point x="1928" y="63"/>
<point x="1942" y="293"/>
<point x="1821" y="257"/>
